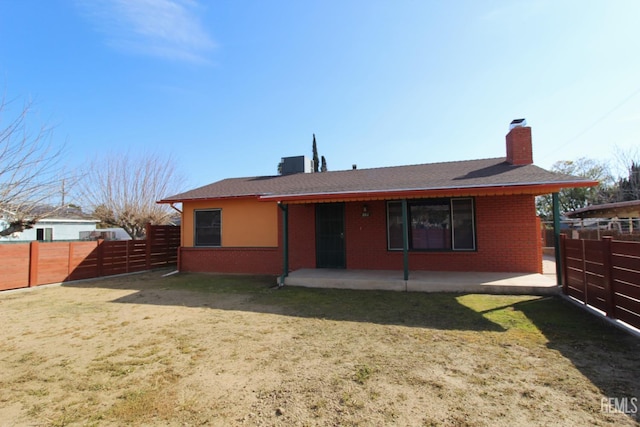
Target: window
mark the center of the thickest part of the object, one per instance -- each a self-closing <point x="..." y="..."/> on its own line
<point x="207" y="227"/>
<point x="434" y="224"/>
<point x="44" y="234"/>
<point x="464" y="236"/>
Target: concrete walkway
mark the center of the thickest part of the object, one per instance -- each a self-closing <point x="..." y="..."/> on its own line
<point x="428" y="281"/>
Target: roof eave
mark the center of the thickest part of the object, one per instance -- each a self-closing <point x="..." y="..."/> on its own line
<point x="485" y="190"/>
<point x="533" y="188"/>
<point x="203" y="199"/>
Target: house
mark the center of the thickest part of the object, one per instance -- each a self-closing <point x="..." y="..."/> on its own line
<point x="473" y="215"/>
<point x="64" y="224"/>
<point x="629" y="209"/>
<point x="622" y="217"/>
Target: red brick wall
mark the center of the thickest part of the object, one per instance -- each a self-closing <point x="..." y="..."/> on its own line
<point x="366" y="238"/>
<point x="507" y="240"/>
<point x="519" y="148"/>
<point x="231" y="260"/>
<point x="302" y="236"/>
<point x="508" y="234"/>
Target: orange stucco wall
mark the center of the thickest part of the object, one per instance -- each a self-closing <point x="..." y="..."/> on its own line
<point x="244" y="223"/>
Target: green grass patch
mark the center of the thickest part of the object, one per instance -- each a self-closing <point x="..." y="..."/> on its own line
<point x="363" y="373"/>
<point x="498" y="313"/>
<point x="199" y="349"/>
<point x="220" y="284"/>
<point x="502" y="310"/>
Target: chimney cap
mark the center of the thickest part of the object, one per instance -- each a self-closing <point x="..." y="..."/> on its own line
<point x="516" y="123"/>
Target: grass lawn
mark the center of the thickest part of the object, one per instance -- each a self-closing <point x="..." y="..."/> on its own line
<point x="228" y="350"/>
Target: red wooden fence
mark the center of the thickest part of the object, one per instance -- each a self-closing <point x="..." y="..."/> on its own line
<point x="38" y="263"/>
<point x="604" y="274"/>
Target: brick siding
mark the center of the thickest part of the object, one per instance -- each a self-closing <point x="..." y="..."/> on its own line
<point x="519" y="147"/>
<point x="302" y="236"/>
<point x="507" y="233"/>
<point x="231" y="260"/>
<point x="507" y="240"/>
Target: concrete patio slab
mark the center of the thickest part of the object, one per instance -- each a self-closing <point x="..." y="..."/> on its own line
<point x="426" y="281"/>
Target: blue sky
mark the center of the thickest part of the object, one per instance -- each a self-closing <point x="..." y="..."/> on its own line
<point x="229" y="87"/>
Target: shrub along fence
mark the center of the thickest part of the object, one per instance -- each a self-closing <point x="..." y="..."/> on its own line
<point x="30" y="264"/>
<point x="604" y="274"/>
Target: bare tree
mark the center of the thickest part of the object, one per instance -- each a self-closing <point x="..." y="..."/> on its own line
<point x="29" y="171"/>
<point x="628" y="163"/>
<point x="623" y="159"/>
<point x="122" y="190"/>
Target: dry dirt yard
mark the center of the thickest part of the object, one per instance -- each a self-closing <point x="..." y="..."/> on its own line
<point x="210" y="350"/>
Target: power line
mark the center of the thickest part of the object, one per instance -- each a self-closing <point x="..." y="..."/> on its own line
<point x="594" y="124"/>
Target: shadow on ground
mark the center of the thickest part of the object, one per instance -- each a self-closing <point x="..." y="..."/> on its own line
<point x="606" y="355"/>
<point x="258" y="294"/>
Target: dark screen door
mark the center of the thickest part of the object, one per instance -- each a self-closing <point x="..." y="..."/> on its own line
<point x="330" y="235"/>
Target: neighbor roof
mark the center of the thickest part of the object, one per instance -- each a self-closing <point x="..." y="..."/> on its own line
<point x="630" y="209"/>
<point x="57" y="214"/>
<point x="471" y="177"/>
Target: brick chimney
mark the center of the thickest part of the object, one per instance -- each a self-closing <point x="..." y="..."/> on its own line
<point x="519" y="150"/>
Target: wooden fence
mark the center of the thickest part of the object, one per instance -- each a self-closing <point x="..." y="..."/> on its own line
<point x="29" y="264"/>
<point x="604" y="274"/>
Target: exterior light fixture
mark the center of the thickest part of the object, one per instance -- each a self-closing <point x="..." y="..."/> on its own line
<point x="365" y="210"/>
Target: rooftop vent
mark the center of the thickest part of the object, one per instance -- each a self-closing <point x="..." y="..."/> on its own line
<point x="517" y="123"/>
<point x="297" y="164"/>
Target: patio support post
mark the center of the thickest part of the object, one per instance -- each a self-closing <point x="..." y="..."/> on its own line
<point x="556" y="236"/>
<point x="285" y="242"/>
<point x="405" y="239"/>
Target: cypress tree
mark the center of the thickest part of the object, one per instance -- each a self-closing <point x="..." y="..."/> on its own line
<point x="316" y="161"/>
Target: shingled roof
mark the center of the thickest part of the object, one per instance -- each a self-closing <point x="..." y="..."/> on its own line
<point x="471" y="177"/>
<point x="628" y="209"/>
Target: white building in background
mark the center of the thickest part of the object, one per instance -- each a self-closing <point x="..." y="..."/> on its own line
<point x="68" y="224"/>
<point x="113" y="233"/>
<point x="52" y="229"/>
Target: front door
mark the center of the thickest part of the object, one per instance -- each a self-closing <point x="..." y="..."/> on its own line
<point x="330" y="248"/>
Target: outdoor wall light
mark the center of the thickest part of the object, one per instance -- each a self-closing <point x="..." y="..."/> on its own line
<point x="365" y="210"/>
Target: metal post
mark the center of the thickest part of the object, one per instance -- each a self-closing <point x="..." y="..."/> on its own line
<point x="556" y="236"/>
<point x="565" y="278"/>
<point x="285" y="242"/>
<point x="405" y="239"/>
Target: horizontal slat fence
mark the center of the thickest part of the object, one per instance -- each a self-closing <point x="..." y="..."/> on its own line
<point x="39" y="263"/>
<point x="626" y="281"/>
<point x="14" y="266"/>
<point x="164" y="243"/>
<point x="604" y="274"/>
